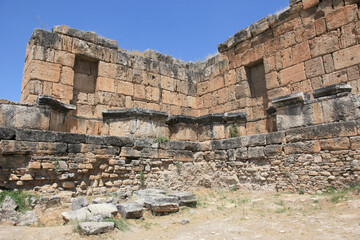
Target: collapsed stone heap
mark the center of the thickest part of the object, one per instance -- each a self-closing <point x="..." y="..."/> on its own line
<point x="277" y="107"/>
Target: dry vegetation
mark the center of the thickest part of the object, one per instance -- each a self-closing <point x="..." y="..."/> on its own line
<point x="225" y="215"/>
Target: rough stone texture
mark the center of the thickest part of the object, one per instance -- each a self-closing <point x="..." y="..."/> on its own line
<point x="162" y="204"/>
<point x="130" y="210"/>
<point x="77" y="216"/>
<point x="95" y="228"/>
<point x="28" y="218"/>
<point x="277" y="107"/>
<point x="185" y="198"/>
<point x="106" y="210"/>
<point x="78" y="203"/>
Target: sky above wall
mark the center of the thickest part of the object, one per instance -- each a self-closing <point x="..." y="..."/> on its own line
<point x="186" y="29"/>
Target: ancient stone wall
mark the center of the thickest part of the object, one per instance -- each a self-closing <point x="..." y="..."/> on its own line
<point x="310" y="45"/>
<point x="309" y="159"/>
<point x="90" y="72"/>
<point x="277" y="108"/>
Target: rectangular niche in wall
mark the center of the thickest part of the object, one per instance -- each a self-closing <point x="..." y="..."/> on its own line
<point x="85" y="74"/>
<point x="256" y="77"/>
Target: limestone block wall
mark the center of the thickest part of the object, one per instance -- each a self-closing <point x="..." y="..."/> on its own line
<point x="92" y="73"/>
<point x="308" y="158"/>
<point x="310" y="45"/>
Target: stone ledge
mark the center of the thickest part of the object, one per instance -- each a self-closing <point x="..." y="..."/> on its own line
<point x="133" y="112"/>
<point x="70" y="138"/>
<point x="54" y="104"/>
<point x="86" y="36"/>
<point x="290" y="99"/>
<point x="209" y="118"/>
<point x="332" y="90"/>
<point x="322" y="131"/>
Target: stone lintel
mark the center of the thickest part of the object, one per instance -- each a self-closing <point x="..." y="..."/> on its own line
<point x="290" y="99"/>
<point x="134" y="113"/>
<point x="332" y="90"/>
<point x="54" y="104"/>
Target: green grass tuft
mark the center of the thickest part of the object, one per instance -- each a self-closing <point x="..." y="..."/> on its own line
<point x="20" y="197"/>
<point x="120" y="224"/>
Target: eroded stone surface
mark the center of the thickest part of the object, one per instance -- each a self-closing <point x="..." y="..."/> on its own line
<point x="95" y="228"/>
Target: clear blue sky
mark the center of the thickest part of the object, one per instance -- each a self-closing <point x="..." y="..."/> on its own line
<point x="186" y="29"/>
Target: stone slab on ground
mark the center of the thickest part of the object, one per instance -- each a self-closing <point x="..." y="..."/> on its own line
<point x="26" y="219"/>
<point x="79" y="215"/>
<point x="78" y="203"/>
<point x="94" y="228"/>
<point x="160" y="205"/>
<point x="106" y="210"/>
<point x="98" y="200"/>
<point x="185" y="198"/>
<point x="130" y="210"/>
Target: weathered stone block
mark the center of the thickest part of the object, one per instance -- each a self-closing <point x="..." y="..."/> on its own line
<point x="130" y="210"/>
<point x="341" y="17"/>
<point x="241" y="153"/>
<point x="45" y="71"/>
<point x="335" y="144"/>
<point x="355" y="143"/>
<point x="292" y="74"/>
<point x="273" y="150"/>
<point x="254" y="140"/>
<point x="96" y="228"/>
<point x="302" y="147"/>
<point x="105" y="84"/>
<point x="183" y="156"/>
<point x="310" y="3"/>
<point x="298" y="115"/>
<point x="347" y="57"/>
<point x="275" y="138"/>
<point x="314" y="67"/>
<point x="35" y="135"/>
<point x="7" y="133"/>
<point x="185" y="198"/>
<point x="324" y="44"/>
<point x="78" y="203"/>
<point x="256" y="152"/>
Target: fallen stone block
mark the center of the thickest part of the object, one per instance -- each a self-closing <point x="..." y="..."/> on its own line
<point x="78" y="203"/>
<point x="78" y="215"/>
<point x="130" y="210"/>
<point x="28" y="218"/>
<point x="94" y="228"/>
<point x="185" y="198"/>
<point x="98" y="200"/>
<point x="104" y="209"/>
<point x="160" y="205"/>
<point x="9" y="204"/>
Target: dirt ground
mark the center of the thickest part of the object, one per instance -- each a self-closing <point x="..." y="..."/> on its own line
<point x="224" y="215"/>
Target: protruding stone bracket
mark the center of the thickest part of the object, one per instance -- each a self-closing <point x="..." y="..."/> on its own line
<point x="332" y="90"/>
<point x="54" y="104"/>
<point x="209" y="118"/>
<point x="133" y="113"/>
<point x="290" y="99"/>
